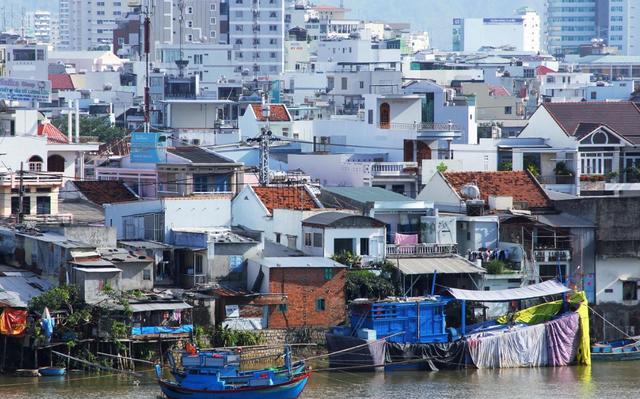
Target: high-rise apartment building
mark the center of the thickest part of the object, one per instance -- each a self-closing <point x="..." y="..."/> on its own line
<point x="256" y="31"/>
<point x="201" y="22"/>
<point x="521" y="32"/>
<point x="89" y="24"/>
<point x="624" y="26"/>
<point x="40" y="26"/>
<point x="571" y="23"/>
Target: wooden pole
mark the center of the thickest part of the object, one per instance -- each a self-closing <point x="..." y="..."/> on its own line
<point x="160" y="343"/>
<point x="21" y="353"/>
<point x="4" y="352"/>
<point x="35" y="358"/>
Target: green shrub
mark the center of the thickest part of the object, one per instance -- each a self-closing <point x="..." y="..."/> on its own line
<point x="495" y="267"/>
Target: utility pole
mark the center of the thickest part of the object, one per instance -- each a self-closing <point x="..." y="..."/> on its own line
<point x="264" y="140"/>
<point x="21" y="193"/>
<point x="147" y="49"/>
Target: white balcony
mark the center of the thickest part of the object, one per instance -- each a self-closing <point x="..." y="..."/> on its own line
<point x="42" y="178"/>
<point x="552" y="255"/>
<point x="393" y="168"/>
<point x="420" y="250"/>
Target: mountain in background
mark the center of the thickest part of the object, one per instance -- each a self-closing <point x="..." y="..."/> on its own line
<point x="434" y="16"/>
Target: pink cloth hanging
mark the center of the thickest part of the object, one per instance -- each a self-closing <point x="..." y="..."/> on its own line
<point x="406" y="239"/>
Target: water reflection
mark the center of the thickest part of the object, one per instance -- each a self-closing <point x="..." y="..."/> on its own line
<point x="602" y="380"/>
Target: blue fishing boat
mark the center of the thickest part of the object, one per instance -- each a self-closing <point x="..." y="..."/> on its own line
<point x="217" y="375"/>
<point x="613" y="351"/>
<point x="414" y="334"/>
<point x="52" y="371"/>
<point x="226" y="364"/>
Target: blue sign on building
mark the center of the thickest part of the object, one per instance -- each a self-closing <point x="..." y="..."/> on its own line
<point x="148" y="147"/>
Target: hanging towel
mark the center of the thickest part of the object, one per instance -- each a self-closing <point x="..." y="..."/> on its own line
<point x="13" y="322"/>
<point x="47" y="323"/>
<point x="406" y="239"/>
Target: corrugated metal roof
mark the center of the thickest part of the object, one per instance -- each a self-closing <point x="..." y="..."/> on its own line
<point x="442" y="265"/>
<point x="367" y="194"/>
<point x="341" y="219"/>
<point x="92" y="263"/>
<point x="298" y="261"/>
<point x="564" y="220"/>
<point x="16" y="291"/>
<point x="147" y="307"/>
<point x="550" y="287"/>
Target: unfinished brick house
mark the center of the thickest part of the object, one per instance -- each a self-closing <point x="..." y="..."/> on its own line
<point x="313" y="287"/>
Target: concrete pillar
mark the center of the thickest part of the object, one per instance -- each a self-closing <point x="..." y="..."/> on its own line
<point x="77" y="121"/>
<point x="517" y="160"/>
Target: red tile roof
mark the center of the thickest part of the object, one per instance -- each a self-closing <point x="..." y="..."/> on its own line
<point x="622" y="117"/>
<point x="517" y="184"/>
<point x="53" y="134"/>
<point x="105" y="191"/>
<point x="61" y="81"/>
<point x="498" y="91"/>
<point x="542" y="70"/>
<point x="278" y="113"/>
<point x="285" y="198"/>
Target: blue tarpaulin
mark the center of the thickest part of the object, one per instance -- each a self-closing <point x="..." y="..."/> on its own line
<point x="186" y="328"/>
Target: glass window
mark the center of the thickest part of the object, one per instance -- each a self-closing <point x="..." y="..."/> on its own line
<point x="364" y="246"/>
<point x="320" y="305"/>
<point x="307" y="239"/>
<point x="146" y="275"/>
<point x="43" y="205"/>
<point x="283" y="307"/>
<point x="328" y="273"/>
<point x="317" y="240"/>
<point x="629" y="290"/>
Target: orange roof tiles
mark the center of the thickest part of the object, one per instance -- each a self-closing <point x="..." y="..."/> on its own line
<point x="517" y="184"/>
<point x="285" y="198"/>
<point x="61" y="81"/>
<point x="278" y="113"/>
<point x="53" y="134"/>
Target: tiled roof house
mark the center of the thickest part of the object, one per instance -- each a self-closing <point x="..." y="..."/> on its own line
<point x="445" y="188"/>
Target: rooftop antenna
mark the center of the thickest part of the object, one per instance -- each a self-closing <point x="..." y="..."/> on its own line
<point x="147" y="44"/>
<point x="181" y="63"/>
<point x="264" y="139"/>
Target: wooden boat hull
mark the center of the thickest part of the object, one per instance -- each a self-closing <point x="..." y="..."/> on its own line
<point x="287" y="390"/>
<point x="52" y="371"/>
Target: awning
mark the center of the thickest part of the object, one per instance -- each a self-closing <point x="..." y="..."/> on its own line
<point x="98" y="269"/>
<point x="442" y="265"/>
<point x="551" y="287"/>
<point x="148" y="307"/>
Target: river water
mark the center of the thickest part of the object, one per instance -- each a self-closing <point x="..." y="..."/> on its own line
<point x="602" y="380"/>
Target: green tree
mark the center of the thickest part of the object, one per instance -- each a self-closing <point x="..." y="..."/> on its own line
<point x="366" y="284"/>
<point x="95" y="126"/>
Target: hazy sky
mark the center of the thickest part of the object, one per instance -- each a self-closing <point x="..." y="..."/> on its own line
<point x="433" y="16"/>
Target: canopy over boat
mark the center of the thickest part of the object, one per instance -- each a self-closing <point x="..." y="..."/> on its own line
<point x="550" y="287"/>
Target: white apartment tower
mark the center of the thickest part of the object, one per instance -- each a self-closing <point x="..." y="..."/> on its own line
<point x="201" y="22"/>
<point x="521" y="32"/>
<point x="89" y="24"/>
<point x="256" y="31"/>
<point x="41" y="26"/>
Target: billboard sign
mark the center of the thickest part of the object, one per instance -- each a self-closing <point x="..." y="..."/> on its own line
<point x="148" y="147"/>
<point x="498" y="21"/>
<point x="25" y="90"/>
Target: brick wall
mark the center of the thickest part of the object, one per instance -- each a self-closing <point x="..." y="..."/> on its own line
<point x="303" y="287"/>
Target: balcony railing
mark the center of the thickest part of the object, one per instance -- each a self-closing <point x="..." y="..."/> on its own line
<point x="423" y="126"/>
<point x="555" y="179"/>
<point x="420" y="250"/>
<point x="48" y="178"/>
<point x="393" y="168"/>
<point x="552" y="255"/>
